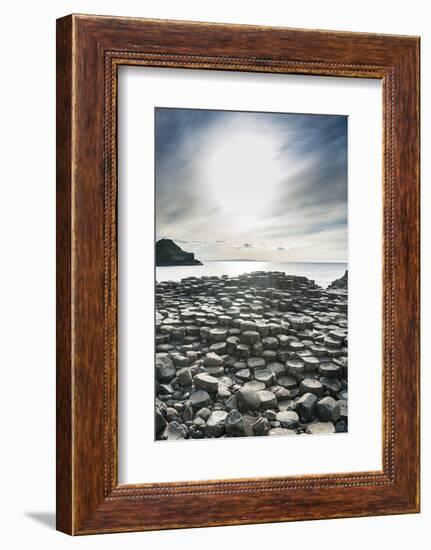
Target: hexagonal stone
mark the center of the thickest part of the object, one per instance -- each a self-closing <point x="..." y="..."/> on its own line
<point x="261" y="426"/>
<point x="327" y="409"/>
<point x="296" y="368"/>
<point x="316" y="428"/>
<point x="311" y="363"/>
<point x="310" y="385"/>
<point x="287" y="381"/>
<point x="330" y="370"/>
<point x="247" y="326"/>
<point x="262" y="328"/>
<point x="288" y="419"/>
<point x="223" y="392"/>
<point x="200" y="399"/>
<point x="243" y="375"/>
<point x="247" y="400"/>
<point x="180" y="361"/>
<point x="265" y="376"/>
<point x="216" y="424"/>
<point x="267" y="399"/>
<point x="243" y="351"/>
<point x="250" y="337"/>
<point x="213" y="360"/>
<point x="206" y="382"/>
<point x="204" y="413"/>
<point x="254" y="385"/>
<point x="305" y="406"/>
<point x="185" y="377"/>
<point x="255" y="363"/>
<point x="296" y="346"/>
<point x="276" y="368"/>
<point x="219" y="348"/>
<point x="165" y="370"/>
<point x="270" y="343"/>
<point x="234" y="424"/>
<point x="332" y="385"/>
<point x="218" y="335"/>
<point x="175" y="431"/>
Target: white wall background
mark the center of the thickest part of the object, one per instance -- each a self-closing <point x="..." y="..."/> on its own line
<point x="27" y="297"/>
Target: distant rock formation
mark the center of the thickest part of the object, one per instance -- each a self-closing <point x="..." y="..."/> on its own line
<point x="168" y="253"/>
<point x="340" y="283"/>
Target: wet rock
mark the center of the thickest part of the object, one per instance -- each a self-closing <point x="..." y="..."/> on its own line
<point x="256" y="363"/>
<point x="310" y="385"/>
<point x="265" y="376"/>
<point x="200" y="399"/>
<point x="206" y="382"/>
<point x="249" y="337"/>
<point x="160" y="421"/>
<point x="184" y="377"/>
<point x="165" y="370"/>
<point x="234" y="424"/>
<point x="212" y="360"/>
<point x="261" y="426"/>
<point x="175" y="431"/>
<point x="267" y="399"/>
<point x="288" y="419"/>
<point x="306" y="405"/>
<point x="248" y="400"/>
<point x="243" y="375"/>
<point x="204" y="413"/>
<point x="327" y="409"/>
<point x="215" y="424"/>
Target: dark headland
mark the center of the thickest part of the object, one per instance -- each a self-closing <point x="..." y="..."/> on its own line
<point x="263" y="353"/>
<point x="169" y="254"/>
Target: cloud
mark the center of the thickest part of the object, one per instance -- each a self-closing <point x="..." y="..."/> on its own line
<point x="223" y="177"/>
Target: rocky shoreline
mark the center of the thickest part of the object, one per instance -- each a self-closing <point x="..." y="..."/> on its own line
<point x="261" y="354"/>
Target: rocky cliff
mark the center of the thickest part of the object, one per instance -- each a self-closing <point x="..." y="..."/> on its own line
<point x="168" y="253"/>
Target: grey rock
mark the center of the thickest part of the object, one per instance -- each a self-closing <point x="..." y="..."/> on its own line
<point x="255" y="363"/>
<point x="175" y="431"/>
<point x="306" y="405"/>
<point x="234" y="424"/>
<point x="265" y="376"/>
<point x="250" y="337"/>
<point x="165" y="370"/>
<point x="215" y="424"/>
<point x="327" y="409"/>
<point x="261" y="426"/>
<point x="160" y="421"/>
<point x="267" y="399"/>
<point x="310" y="385"/>
<point x="248" y="400"/>
<point x="206" y="382"/>
<point x="184" y="377"/>
<point x="200" y="399"/>
<point x="213" y="360"/>
<point x="288" y="419"/>
<point x="204" y="413"/>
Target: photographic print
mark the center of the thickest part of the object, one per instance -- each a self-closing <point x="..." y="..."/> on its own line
<point x="251" y="247"/>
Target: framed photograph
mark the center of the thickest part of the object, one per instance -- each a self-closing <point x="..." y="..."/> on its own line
<point x="237" y="274"/>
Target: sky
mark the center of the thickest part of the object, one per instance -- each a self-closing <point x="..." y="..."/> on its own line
<point x="233" y="185"/>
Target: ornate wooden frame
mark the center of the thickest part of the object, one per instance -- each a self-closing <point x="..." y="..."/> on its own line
<point x="89" y="51"/>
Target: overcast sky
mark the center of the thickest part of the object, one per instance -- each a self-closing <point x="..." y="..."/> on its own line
<point x="259" y="186"/>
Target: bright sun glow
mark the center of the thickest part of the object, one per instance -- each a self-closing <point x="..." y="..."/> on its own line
<point x="243" y="169"/>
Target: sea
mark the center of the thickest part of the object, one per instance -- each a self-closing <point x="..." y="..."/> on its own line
<point x="321" y="273"/>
